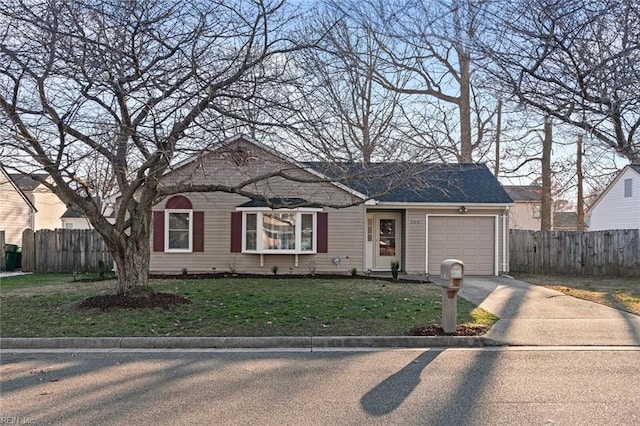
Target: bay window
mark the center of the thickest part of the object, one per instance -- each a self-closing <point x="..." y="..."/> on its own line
<point x="290" y="231"/>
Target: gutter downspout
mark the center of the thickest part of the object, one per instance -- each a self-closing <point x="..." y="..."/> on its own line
<point x="505" y="266"/>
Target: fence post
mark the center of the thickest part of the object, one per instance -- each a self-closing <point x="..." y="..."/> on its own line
<point x="28" y="251"/>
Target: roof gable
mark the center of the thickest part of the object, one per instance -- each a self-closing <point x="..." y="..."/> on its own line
<point x="26" y="182"/>
<point x="15" y="187"/>
<point x="241" y="138"/>
<point x="630" y="167"/>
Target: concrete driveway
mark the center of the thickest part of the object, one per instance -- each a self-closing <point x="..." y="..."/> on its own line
<point x="533" y="315"/>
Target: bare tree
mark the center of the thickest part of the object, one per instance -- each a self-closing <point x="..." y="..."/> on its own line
<point x="431" y="44"/>
<point x="576" y="61"/>
<point x="129" y="87"/>
<point x="345" y="113"/>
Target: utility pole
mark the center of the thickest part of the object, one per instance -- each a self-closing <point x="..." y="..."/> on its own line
<point x="580" y="176"/>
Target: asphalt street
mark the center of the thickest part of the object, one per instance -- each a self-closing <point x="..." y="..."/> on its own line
<point x="452" y="386"/>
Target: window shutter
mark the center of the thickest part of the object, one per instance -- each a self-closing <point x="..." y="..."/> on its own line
<point x="198" y="231"/>
<point x="158" y="231"/>
<point x="323" y="231"/>
<point x="236" y="232"/>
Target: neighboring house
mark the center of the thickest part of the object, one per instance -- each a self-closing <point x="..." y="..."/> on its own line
<point x="618" y="207"/>
<point x="439" y="212"/>
<point x="17" y="211"/>
<point x="73" y="220"/>
<point x="525" y="214"/>
<point x="48" y="206"/>
<point x="565" y="221"/>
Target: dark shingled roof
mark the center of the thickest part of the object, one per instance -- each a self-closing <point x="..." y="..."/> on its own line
<point x="524" y="192"/>
<point x="69" y="214"/>
<point x="418" y="183"/>
<point x="26" y="182"/>
<point x="565" y="220"/>
<point x="278" y="203"/>
<point x="635" y="167"/>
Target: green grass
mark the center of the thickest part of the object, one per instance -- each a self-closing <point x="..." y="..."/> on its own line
<point x="44" y="306"/>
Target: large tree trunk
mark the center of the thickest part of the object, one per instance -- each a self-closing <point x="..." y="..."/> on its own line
<point x="131" y="250"/>
<point x="133" y="268"/>
<point x="466" y="145"/>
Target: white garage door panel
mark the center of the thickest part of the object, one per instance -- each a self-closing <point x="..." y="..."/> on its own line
<point x="468" y="238"/>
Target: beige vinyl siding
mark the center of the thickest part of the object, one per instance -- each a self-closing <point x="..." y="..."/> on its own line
<point x="15" y="214"/>
<point x="525" y="215"/>
<point x="345" y="238"/>
<point x="50" y="209"/>
<point x="415" y="231"/>
<point x="345" y="231"/>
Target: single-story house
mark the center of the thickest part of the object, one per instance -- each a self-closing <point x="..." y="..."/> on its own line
<point x="17" y="211"/>
<point x="618" y="207"/>
<point x="525" y="214"/>
<point x="71" y="219"/>
<point x="319" y="217"/>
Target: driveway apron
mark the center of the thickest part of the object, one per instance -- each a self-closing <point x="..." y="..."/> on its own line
<point x="534" y="315"/>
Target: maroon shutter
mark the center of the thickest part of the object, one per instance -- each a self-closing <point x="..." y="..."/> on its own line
<point x="323" y="231"/>
<point x="158" y="231"/>
<point x="236" y="232"/>
<point x="198" y="231"/>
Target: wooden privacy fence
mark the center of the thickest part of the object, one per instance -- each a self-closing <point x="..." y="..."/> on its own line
<point x="600" y="253"/>
<point x="64" y="250"/>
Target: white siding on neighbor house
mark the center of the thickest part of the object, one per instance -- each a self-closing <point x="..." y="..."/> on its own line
<point x="15" y="213"/>
<point x="74" y="223"/>
<point x="615" y="211"/>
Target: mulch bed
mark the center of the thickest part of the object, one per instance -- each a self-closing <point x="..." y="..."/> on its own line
<point x="436" y="330"/>
<point x="121" y="301"/>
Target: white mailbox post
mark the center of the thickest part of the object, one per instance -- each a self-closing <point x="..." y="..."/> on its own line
<point x="451" y="279"/>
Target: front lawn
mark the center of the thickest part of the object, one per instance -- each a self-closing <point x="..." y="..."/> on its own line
<point x="31" y="306"/>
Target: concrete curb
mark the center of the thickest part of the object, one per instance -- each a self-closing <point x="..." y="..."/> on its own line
<point x="245" y="342"/>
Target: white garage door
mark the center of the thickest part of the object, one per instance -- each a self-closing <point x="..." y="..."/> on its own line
<point x="468" y="238"/>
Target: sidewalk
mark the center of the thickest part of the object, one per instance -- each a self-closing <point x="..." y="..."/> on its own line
<point x="533" y="315"/>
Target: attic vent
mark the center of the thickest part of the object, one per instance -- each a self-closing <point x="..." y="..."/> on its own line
<point x="240" y="156"/>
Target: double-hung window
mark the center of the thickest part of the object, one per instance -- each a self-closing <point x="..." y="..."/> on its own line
<point x="179" y="230"/>
<point x="280" y="231"/>
<point x="628" y="188"/>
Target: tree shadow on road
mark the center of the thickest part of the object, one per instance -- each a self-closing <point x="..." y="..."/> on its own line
<point x="389" y="394"/>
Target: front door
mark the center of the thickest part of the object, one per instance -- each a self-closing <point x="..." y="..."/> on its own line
<point x="386" y="244"/>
